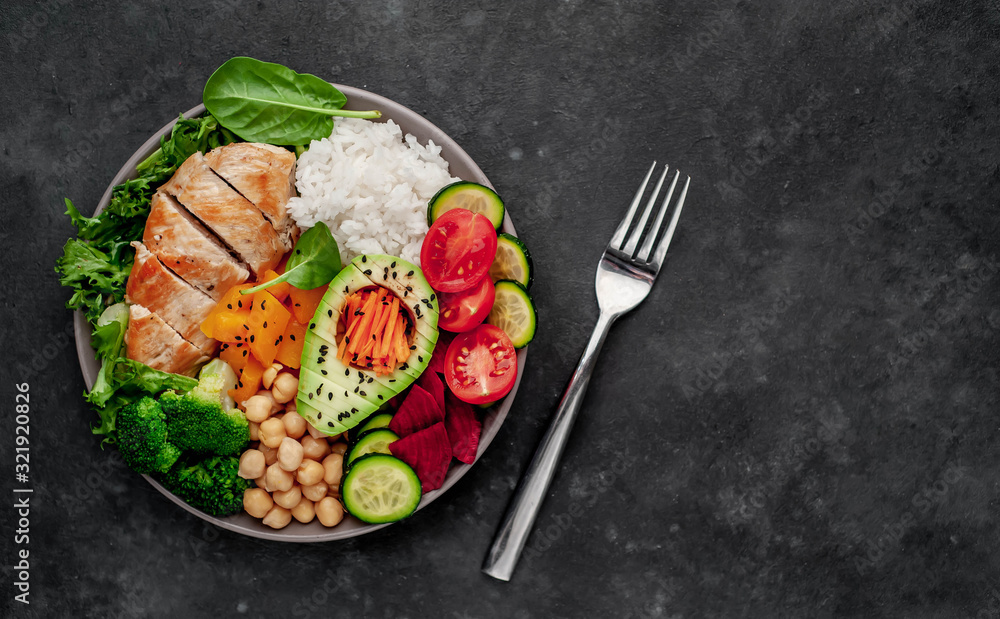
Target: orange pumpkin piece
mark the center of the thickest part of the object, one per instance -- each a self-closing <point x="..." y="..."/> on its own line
<point x="232" y="326"/>
<point x="268" y="320"/>
<point x="305" y="302"/>
<point x="290" y="349"/>
<point x="249" y="382"/>
<point x="279" y="291"/>
<point x="232" y="301"/>
<point x="235" y="354"/>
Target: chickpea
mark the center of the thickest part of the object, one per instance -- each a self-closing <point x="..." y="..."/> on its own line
<point x="315" y="449"/>
<point x="295" y="425"/>
<point x="271" y="432"/>
<point x="270" y="373"/>
<point x="310" y="472"/>
<point x="270" y="455"/>
<point x="329" y="511"/>
<point x="338" y="448"/>
<point x="316" y="491"/>
<point x="278" y="479"/>
<point x="258" y="408"/>
<point x="257" y="502"/>
<point x="289" y="454"/>
<point x="289" y="498"/>
<point x="285" y="387"/>
<point x="333" y="469"/>
<point x="254" y="428"/>
<point x="313" y="432"/>
<point x="252" y="464"/>
<point x="262" y="483"/>
<point x="278" y="517"/>
<point x="275" y="407"/>
<point x="304" y="512"/>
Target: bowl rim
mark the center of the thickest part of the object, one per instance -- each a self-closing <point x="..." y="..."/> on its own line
<point x="244" y="523"/>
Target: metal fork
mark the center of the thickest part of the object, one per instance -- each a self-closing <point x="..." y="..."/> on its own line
<point x="624" y="278"/>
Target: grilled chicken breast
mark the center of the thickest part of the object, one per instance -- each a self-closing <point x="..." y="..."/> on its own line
<point x="178" y="303"/>
<point x="189" y="250"/>
<point x="263" y="174"/>
<point x="228" y="214"/>
<point x="151" y="341"/>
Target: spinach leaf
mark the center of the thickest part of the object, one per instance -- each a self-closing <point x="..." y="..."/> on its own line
<point x="315" y="261"/>
<point x="267" y="102"/>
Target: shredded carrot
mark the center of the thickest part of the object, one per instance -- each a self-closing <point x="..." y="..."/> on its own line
<point x="402" y="350"/>
<point x="361" y="332"/>
<point x="390" y="329"/>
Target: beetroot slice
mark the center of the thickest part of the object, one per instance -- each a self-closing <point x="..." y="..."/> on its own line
<point x="464" y="428"/>
<point x="428" y="452"/>
<point x="418" y="411"/>
<point x="433" y="384"/>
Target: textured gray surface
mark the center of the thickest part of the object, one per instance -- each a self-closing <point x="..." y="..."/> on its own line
<point x="800" y="421"/>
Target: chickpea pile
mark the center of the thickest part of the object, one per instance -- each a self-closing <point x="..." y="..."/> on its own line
<point x="296" y="468"/>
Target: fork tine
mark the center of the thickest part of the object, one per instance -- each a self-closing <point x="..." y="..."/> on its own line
<point x="661" y="249"/>
<point x="654" y="230"/>
<point x="633" y="240"/>
<point x="619" y="236"/>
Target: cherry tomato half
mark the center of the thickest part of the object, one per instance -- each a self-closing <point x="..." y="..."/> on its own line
<point x="461" y="311"/>
<point x="481" y="365"/>
<point x="458" y="250"/>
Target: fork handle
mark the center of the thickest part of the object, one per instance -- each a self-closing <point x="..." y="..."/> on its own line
<point x="523" y="509"/>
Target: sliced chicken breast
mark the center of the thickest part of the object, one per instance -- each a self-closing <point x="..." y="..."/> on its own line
<point x="178" y="303"/>
<point x="264" y="174"/>
<point x="151" y="341"/>
<point x="189" y="250"/>
<point x="228" y="214"/>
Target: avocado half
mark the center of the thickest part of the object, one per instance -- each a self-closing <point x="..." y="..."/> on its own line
<point x="335" y="397"/>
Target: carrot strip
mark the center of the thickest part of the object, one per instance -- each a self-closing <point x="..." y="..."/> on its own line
<point x="384" y="316"/>
<point x="390" y="328"/>
<point x="402" y="350"/>
<point x="361" y="333"/>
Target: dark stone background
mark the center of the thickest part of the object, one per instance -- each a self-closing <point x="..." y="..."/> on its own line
<point x="802" y="414"/>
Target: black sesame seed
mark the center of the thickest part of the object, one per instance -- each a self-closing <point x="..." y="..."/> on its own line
<point x="319" y="415"/>
<point x="238" y="338"/>
<point x="370" y="380"/>
<point x="432" y="296"/>
<point x="392" y="380"/>
<point x="312" y="326"/>
<point x="363" y="394"/>
<point x="329" y="396"/>
<point x="229" y="305"/>
<point x="265" y="322"/>
<point x="251" y="339"/>
<point x="347" y="372"/>
<point x="368" y="271"/>
<point x="394" y="275"/>
<point x="356" y="389"/>
<point x="409" y="274"/>
<point x="321" y="360"/>
<point x="292" y="335"/>
<point x="323" y="372"/>
<point x="420" y="359"/>
<point x="239" y="303"/>
<point x="413" y="347"/>
<point x="364" y="259"/>
<point x="244" y="353"/>
<point x="380" y="397"/>
<point x="310" y="395"/>
<point x="329" y="423"/>
<point x="329" y="313"/>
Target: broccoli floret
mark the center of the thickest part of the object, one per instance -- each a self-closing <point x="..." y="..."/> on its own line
<point x="142" y="437"/>
<point x="211" y="484"/>
<point x="204" y="418"/>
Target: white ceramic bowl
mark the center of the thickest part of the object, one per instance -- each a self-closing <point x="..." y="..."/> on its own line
<point x="462" y="166"/>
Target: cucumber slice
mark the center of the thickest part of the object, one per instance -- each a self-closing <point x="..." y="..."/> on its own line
<point x="514" y="312"/>
<point x="378" y="420"/>
<point x="380" y="489"/>
<point x="470" y="196"/>
<point x="373" y="441"/>
<point x="513" y="261"/>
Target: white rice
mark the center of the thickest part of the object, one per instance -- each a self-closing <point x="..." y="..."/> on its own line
<point x="370" y="185"/>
